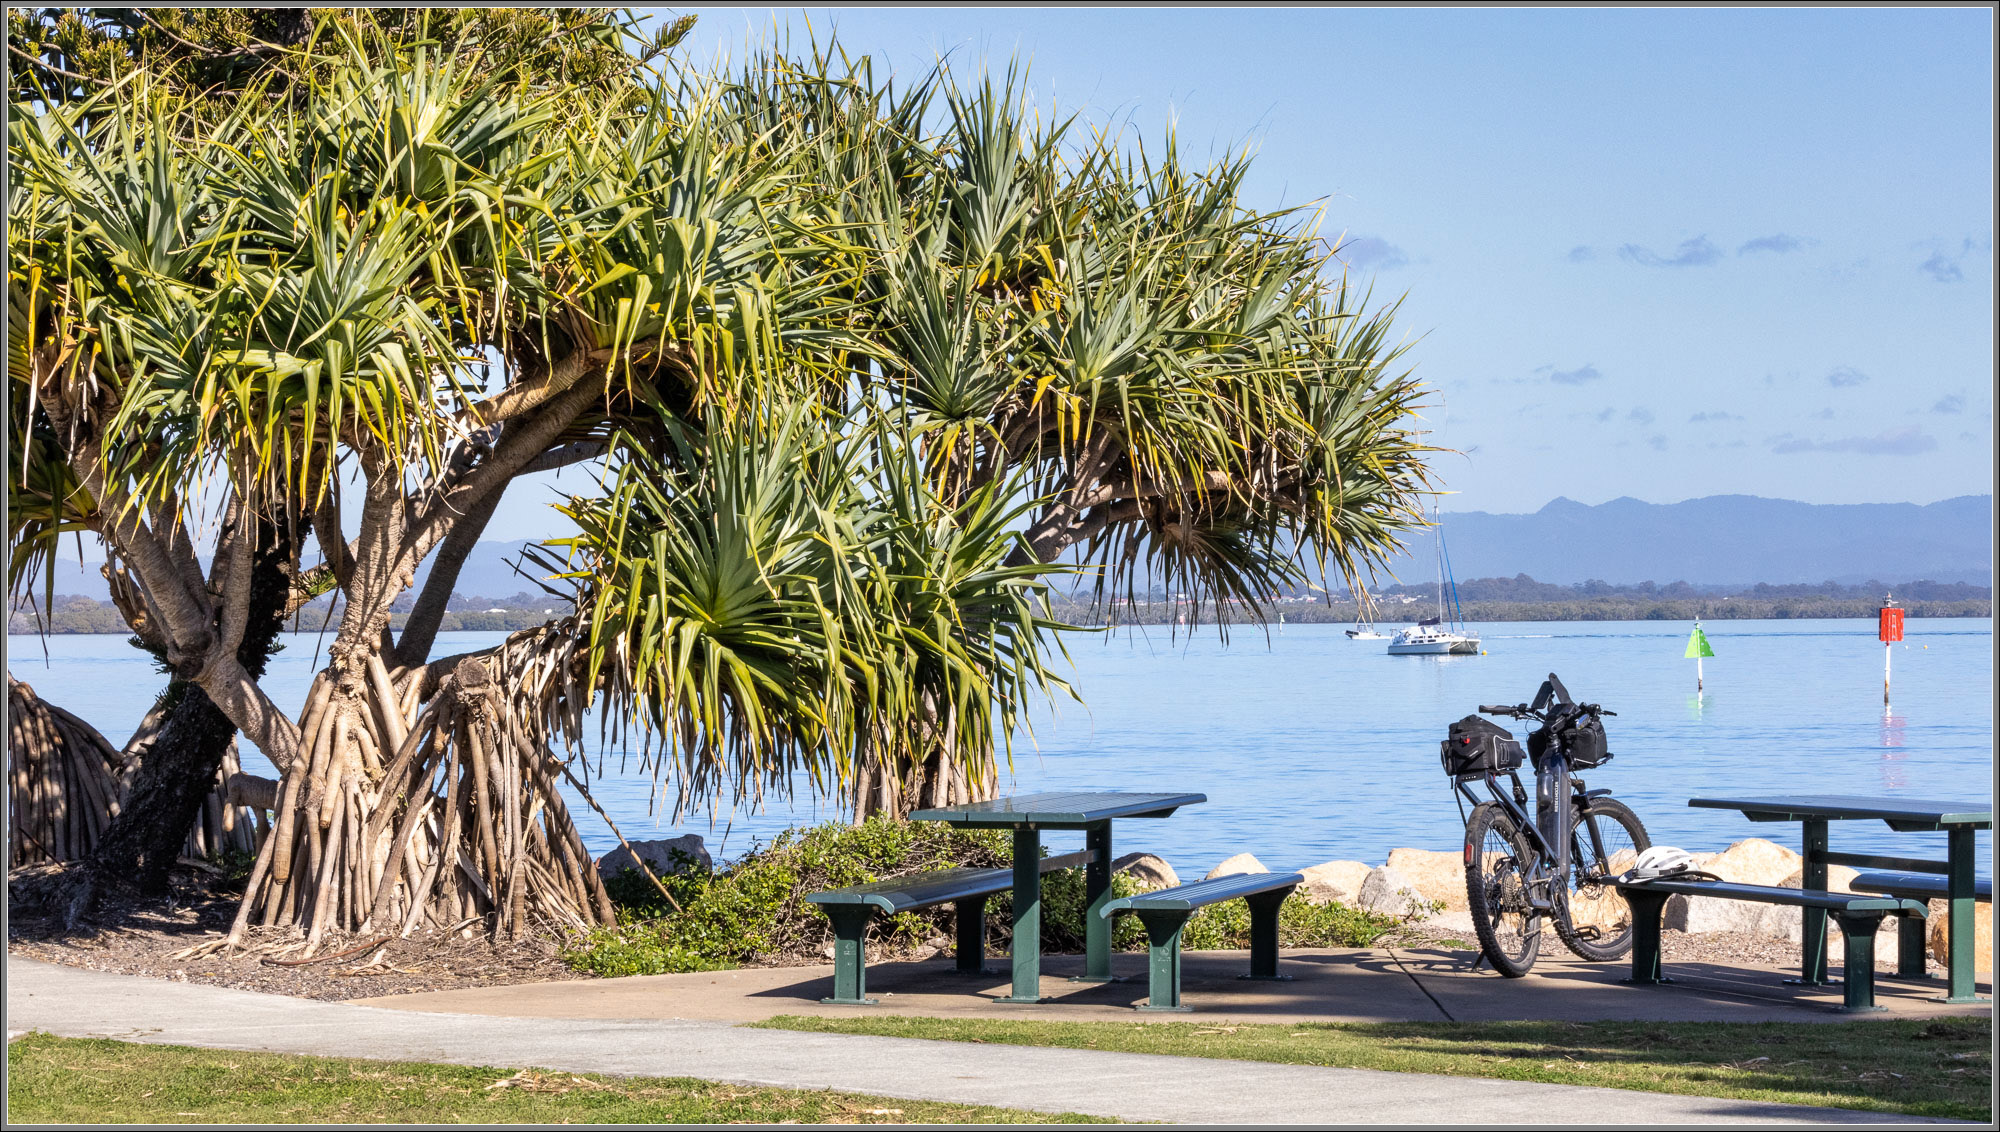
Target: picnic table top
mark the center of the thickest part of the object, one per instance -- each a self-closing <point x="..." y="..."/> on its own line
<point x="1060" y="808"/>
<point x="1903" y="814"/>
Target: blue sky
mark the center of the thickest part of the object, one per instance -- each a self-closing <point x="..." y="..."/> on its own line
<point x="1663" y="254"/>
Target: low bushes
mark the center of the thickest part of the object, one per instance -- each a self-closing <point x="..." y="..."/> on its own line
<point x="755" y="910"/>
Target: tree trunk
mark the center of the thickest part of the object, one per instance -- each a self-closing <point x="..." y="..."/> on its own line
<point x="180" y="768"/>
<point x="400" y="814"/>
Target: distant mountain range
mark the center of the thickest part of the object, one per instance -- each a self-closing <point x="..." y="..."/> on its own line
<point x="1720" y="540"/>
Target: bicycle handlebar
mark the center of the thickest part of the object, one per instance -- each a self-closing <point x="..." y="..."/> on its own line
<point x="1523" y="711"/>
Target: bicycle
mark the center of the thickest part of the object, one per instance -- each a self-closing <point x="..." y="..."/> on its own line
<point x="1522" y="868"/>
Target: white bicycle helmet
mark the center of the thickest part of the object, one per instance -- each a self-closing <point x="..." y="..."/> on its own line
<point x="1660" y="861"/>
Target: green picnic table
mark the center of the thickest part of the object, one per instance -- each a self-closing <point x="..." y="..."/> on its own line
<point x="1958" y="819"/>
<point x="1028" y="815"/>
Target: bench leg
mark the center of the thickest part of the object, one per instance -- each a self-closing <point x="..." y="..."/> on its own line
<point x="1264" y="933"/>
<point x="1911" y="945"/>
<point x="1857" y="988"/>
<point x="969" y="926"/>
<point x="1647" y="910"/>
<point x="1163" y="959"/>
<point x="850" y="957"/>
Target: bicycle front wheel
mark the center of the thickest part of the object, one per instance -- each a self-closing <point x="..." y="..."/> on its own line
<point x="1497" y="860"/>
<point x="1604" y="841"/>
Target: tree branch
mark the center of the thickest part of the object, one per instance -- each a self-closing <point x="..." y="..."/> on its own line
<point x="420" y="631"/>
<point x="525" y="396"/>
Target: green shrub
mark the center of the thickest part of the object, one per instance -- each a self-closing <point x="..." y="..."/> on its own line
<point x="1301" y="923"/>
<point x="756" y="909"/>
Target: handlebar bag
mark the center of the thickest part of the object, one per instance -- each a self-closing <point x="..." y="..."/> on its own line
<point x="1582" y="742"/>
<point x="1478" y="746"/>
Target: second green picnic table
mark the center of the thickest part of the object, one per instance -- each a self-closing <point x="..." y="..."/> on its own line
<point x="1958" y="819"/>
<point x="1028" y="815"/>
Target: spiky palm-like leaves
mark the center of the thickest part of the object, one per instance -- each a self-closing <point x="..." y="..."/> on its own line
<point x="780" y="595"/>
<point x="858" y="361"/>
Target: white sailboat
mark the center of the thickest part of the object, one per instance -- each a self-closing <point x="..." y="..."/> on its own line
<point x="1443" y="635"/>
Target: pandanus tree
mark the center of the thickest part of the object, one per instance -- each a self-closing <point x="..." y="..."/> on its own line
<point x="857" y="365"/>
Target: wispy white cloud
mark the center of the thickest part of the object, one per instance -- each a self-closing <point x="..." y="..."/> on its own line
<point x="1843" y="376"/>
<point x="1697" y="252"/>
<point x="1950" y="403"/>
<point x="1909" y="441"/>
<point x="1372" y="252"/>
<point x="1780" y="243"/>
<point x="1578" y="376"/>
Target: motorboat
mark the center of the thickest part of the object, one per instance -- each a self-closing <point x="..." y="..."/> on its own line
<point x="1365" y="631"/>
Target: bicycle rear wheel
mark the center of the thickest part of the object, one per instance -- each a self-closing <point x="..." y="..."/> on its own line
<point x="1596" y="923"/>
<point x="1497" y="860"/>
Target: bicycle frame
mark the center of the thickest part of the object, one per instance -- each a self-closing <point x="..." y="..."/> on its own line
<point x="1557" y="792"/>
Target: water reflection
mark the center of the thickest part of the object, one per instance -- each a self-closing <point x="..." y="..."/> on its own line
<point x="1891" y="767"/>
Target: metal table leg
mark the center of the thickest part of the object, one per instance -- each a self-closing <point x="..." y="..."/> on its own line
<point x="1096" y="894"/>
<point x="1027" y="916"/>
<point x="1812" y="933"/>
<point x="1960" y="915"/>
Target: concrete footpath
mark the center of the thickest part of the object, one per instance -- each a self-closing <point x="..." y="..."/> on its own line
<point x="76" y="1003"/>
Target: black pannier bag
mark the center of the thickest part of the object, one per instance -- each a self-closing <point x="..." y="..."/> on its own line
<point x="1479" y="746"/>
<point x="1582" y="741"/>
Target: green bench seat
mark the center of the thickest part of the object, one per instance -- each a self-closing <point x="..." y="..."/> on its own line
<point x="1859" y="916"/>
<point x="853" y="909"/>
<point x="1166" y="912"/>
<point x="1910" y="929"/>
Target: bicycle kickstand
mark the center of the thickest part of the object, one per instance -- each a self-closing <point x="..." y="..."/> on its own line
<point x="1478" y="961"/>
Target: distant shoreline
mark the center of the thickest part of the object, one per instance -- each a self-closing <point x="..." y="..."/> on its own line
<point x="77" y="619"/>
<point x="1713" y="609"/>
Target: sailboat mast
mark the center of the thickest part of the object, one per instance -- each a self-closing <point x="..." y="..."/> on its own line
<point x="1437" y="536"/>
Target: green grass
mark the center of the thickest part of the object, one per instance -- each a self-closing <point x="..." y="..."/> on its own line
<point x="1935" y="1068"/>
<point x="71" y="1081"/>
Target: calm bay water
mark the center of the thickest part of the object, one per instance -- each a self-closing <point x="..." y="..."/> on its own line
<point x="1313" y="747"/>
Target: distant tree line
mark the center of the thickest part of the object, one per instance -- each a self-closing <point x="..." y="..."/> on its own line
<point x="1519" y="598"/>
<point x="466" y="613"/>
<point x="1522" y="598"/>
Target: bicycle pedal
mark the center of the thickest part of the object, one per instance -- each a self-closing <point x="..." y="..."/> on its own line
<point x="1589" y="931"/>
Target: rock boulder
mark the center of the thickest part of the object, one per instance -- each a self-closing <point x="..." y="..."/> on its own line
<point x="1240" y="863"/>
<point x="1753" y="861"/>
<point x="1433" y="876"/>
<point x="1939" y="935"/>
<point x="1389" y="892"/>
<point x="665" y="857"/>
<point x="1334" y="882"/>
<point x="1151" y="872"/>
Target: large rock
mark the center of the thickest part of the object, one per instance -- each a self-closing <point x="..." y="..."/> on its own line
<point x="1436" y="877"/>
<point x="1389" y="892"/>
<point x="1237" y="865"/>
<point x="1753" y="861"/>
<point x="1602" y="907"/>
<point x="1699" y="915"/>
<point x="1151" y="872"/>
<point x="1752" y="858"/>
<point x="665" y="857"/>
<point x="1334" y="882"/>
<point x="1940" y="935"/>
